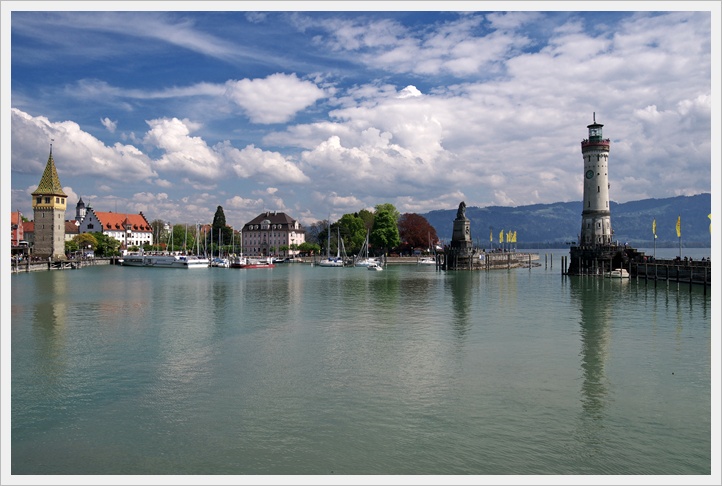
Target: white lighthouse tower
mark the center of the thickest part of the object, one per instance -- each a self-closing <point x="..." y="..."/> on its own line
<point x="596" y="218"/>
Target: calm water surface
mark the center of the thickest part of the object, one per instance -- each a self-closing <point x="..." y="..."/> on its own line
<point x="309" y="370"/>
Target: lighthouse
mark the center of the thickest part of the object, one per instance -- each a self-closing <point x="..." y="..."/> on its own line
<point x="596" y="253"/>
<point x="596" y="218"/>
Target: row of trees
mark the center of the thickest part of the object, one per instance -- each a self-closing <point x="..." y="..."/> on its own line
<point x="388" y="231"/>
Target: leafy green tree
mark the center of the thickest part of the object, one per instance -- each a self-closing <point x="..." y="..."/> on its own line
<point x="353" y="232"/>
<point x="367" y="217"/>
<point x="390" y="208"/>
<point x="385" y="232"/>
<point x="71" y="246"/>
<point x="85" y="240"/>
<point x="184" y="238"/>
<point x="106" y="245"/>
<point x="310" y="248"/>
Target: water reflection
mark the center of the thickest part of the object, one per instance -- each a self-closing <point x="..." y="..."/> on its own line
<point x="50" y="323"/>
<point x="461" y="285"/>
<point x="595" y="300"/>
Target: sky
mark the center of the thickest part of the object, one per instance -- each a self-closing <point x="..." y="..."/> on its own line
<point x="322" y="113"/>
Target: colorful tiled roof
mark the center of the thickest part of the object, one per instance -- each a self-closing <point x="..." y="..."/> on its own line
<point x="50" y="182"/>
<point x="117" y="221"/>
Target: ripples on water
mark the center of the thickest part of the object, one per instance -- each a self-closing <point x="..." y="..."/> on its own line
<point x="302" y="370"/>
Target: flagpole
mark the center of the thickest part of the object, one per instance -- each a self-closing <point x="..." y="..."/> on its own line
<point x="654" y="232"/>
<point x="679" y="235"/>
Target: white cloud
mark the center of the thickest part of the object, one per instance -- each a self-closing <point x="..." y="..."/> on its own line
<point x="79" y="151"/>
<point x="181" y="151"/>
<point x="109" y="124"/>
<point x="252" y="162"/>
<point x="409" y="92"/>
<point x="274" y="99"/>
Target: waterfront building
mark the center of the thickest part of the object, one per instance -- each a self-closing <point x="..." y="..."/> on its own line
<point x="17" y="232"/>
<point x="49" y="203"/>
<point x="72" y="229"/>
<point x="129" y="229"/>
<point x="268" y="232"/>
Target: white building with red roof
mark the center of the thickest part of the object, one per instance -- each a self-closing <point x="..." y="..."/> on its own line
<point x="129" y="229"/>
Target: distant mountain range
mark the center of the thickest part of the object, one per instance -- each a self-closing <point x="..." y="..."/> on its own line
<point x="557" y="225"/>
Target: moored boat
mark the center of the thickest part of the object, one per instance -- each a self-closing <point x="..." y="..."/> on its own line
<point x="246" y="262"/>
<point x="617" y="273"/>
<point x="164" y="261"/>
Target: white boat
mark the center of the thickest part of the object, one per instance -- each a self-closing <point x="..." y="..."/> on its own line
<point x="164" y="261"/>
<point x="246" y="262"/>
<point x="220" y="262"/>
<point x="374" y="267"/>
<point x="617" y="273"/>
<point x="363" y="258"/>
<point x="426" y="261"/>
<point x="330" y="261"/>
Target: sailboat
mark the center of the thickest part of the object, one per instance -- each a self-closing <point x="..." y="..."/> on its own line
<point x="363" y="258"/>
<point x="328" y="261"/>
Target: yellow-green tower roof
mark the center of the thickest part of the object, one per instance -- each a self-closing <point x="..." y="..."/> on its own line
<point x="50" y="182"/>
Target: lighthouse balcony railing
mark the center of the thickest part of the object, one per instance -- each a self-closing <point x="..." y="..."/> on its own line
<point x="587" y="141"/>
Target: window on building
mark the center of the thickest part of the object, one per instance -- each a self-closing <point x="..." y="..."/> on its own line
<point x="39" y="200"/>
<point x="47" y="200"/>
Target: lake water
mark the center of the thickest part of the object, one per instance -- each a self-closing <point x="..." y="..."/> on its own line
<point x="302" y="370"/>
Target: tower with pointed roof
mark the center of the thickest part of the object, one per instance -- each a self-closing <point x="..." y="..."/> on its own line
<point x="80" y="210"/>
<point x="49" y="203"/>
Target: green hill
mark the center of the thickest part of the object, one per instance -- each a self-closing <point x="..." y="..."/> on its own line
<point x="557" y="225"/>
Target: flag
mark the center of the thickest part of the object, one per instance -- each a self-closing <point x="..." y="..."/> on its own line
<point x="654" y="227"/>
<point x="508" y="236"/>
<point x="501" y="236"/>
<point x="491" y="236"/>
<point x="513" y="237"/>
<point x="679" y="226"/>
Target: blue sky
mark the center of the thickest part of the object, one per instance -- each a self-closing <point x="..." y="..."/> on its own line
<point x="329" y="112"/>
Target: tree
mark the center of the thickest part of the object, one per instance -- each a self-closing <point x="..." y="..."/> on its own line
<point x="391" y="210"/>
<point x="219" y="227"/>
<point x="160" y="233"/>
<point x="317" y="232"/>
<point x="385" y="232"/>
<point x="71" y="247"/>
<point x="183" y="238"/>
<point x="106" y="245"/>
<point x="367" y="217"/>
<point x="85" y="240"/>
<point x="309" y="248"/>
<point x="416" y="232"/>
<point x="353" y="232"/>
